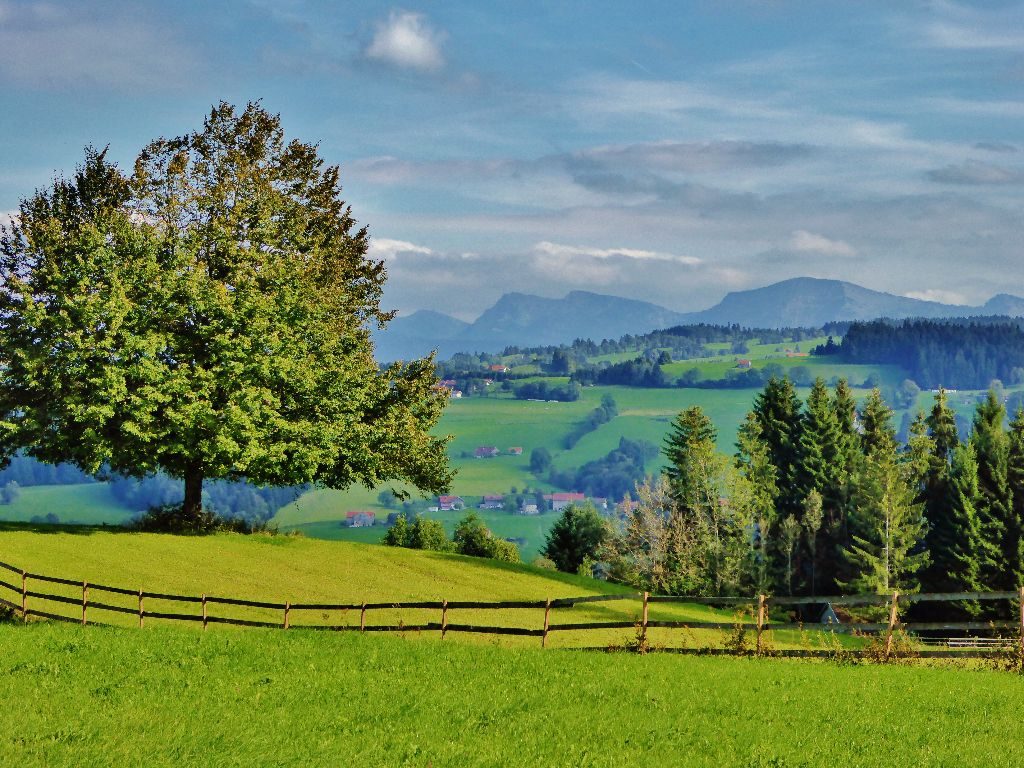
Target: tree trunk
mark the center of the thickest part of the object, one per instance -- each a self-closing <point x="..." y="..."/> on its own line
<point x="193" y="504"/>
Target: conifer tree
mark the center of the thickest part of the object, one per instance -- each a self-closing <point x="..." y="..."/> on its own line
<point x="876" y="422"/>
<point x="1015" y="478"/>
<point x="777" y="408"/>
<point x="885" y="551"/>
<point x="945" y="527"/>
<point x="959" y="553"/>
<point x="995" y="502"/>
<point x="689" y="429"/>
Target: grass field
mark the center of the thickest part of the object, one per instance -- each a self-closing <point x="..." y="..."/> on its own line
<point x="300" y="570"/>
<point x="96" y="697"/>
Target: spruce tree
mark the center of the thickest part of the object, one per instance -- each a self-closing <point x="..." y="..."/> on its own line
<point x="944" y="527"/>
<point x="1015" y="478"/>
<point x="995" y="502"/>
<point x="689" y="428"/>
<point x="885" y="552"/>
<point x="777" y="408"/>
<point x="959" y="554"/>
<point x="876" y="423"/>
<point x="824" y="459"/>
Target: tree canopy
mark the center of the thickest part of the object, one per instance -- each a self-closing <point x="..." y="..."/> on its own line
<point x="208" y="315"/>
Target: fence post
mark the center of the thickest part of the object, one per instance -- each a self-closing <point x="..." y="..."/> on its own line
<point x="204" y="611"/>
<point x="643" y="625"/>
<point x="362" y="618"/>
<point x="85" y="600"/>
<point x="892" y="624"/>
<point x="761" y="599"/>
<point x="24" y="596"/>
<point x="444" y="618"/>
<point x="1022" y="620"/>
<point x="547" y="624"/>
<point x="142" y="613"/>
<point x="287" y="610"/>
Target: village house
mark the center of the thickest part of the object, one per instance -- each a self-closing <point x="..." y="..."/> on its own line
<point x="486" y="452"/>
<point x="745" y="364"/>
<point x="492" y="501"/>
<point x="360" y="519"/>
<point x="498" y="368"/>
<point x="529" y="509"/>
<point x="515" y="451"/>
<point x="560" y="501"/>
<point x="450" y="503"/>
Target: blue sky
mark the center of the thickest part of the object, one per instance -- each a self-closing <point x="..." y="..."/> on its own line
<point x="666" y="151"/>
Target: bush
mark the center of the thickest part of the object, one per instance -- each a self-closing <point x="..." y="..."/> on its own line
<point x="422" y="534"/>
<point x="474" y="538"/>
<point x="575" y="537"/>
<point x="170" y="519"/>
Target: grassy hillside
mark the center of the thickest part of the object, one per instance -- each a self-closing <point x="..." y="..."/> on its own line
<point x="92" y="697"/>
<point x="276" y="569"/>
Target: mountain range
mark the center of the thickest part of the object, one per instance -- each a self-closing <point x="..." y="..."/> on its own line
<point x="525" y="320"/>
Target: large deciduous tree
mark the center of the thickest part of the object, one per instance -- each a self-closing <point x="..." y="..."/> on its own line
<point x="208" y="316"/>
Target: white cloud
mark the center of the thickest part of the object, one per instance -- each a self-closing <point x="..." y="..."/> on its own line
<point x="937" y="294"/>
<point x="383" y="248"/>
<point x="406" y="40"/>
<point x="570" y="251"/>
<point x="966" y="38"/>
<point x="808" y="242"/>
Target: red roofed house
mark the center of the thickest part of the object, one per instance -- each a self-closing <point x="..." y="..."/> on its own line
<point x="498" y="368"/>
<point x="560" y="501"/>
<point x="486" y="452"/>
<point x="743" y="364"/>
<point x="515" y="451"/>
<point x="492" y="501"/>
<point x="450" y="503"/>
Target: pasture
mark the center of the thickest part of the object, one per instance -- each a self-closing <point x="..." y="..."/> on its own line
<point x="173" y="697"/>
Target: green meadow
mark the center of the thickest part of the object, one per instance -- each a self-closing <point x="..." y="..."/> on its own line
<point x="176" y="697"/>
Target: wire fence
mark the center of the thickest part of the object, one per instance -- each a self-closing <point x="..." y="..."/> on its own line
<point x="90" y="598"/>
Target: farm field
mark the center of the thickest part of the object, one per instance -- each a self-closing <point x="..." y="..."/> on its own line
<point x="174" y="697"/>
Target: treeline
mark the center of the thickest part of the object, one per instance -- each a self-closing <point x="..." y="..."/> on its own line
<point x="542" y="390"/>
<point x="963" y="354"/>
<point x="820" y="498"/>
<point x="237" y="500"/>
<point x="26" y="471"/>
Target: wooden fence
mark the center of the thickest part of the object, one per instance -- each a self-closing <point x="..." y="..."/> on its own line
<point x="25" y="599"/>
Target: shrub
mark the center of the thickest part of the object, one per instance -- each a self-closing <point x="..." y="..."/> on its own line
<point x="170" y="518"/>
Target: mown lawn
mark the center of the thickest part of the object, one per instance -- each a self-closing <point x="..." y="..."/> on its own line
<point x="98" y="697"/>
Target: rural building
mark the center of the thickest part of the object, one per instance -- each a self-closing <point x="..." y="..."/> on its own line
<point x="450" y="503"/>
<point x="529" y="509"/>
<point x="360" y="519"/>
<point x="498" y="368"/>
<point x="743" y="364"/>
<point x="492" y="501"/>
<point x="486" y="452"/>
<point x="515" y="451"/>
<point x="560" y="501"/>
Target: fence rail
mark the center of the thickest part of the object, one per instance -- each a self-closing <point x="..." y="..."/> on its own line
<point x="757" y="607"/>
